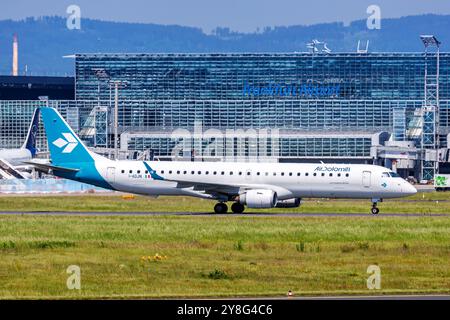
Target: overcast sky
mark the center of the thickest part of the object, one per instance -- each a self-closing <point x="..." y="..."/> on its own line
<point x="239" y="15"/>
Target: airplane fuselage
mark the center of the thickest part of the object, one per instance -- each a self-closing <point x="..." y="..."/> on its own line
<point x="15" y="157"/>
<point x="288" y="180"/>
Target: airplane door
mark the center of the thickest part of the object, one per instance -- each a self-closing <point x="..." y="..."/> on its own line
<point x="366" y="177"/>
<point x="111" y="174"/>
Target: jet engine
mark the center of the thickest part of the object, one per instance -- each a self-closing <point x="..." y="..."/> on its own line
<point x="289" y="203"/>
<point x="259" y="198"/>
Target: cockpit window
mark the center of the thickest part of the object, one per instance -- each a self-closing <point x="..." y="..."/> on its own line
<point x="390" y="174"/>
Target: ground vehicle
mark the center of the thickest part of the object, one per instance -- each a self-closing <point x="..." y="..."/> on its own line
<point x="442" y="182"/>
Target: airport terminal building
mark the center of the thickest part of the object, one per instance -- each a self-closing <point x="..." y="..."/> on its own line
<point x="340" y="107"/>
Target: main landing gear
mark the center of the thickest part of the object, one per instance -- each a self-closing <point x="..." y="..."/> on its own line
<point x="237" y="207"/>
<point x="220" y="208"/>
<point x="374" y="209"/>
<point x="223" y="208"/>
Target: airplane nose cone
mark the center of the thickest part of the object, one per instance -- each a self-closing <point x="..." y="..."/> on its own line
<point x="409" y="189"/>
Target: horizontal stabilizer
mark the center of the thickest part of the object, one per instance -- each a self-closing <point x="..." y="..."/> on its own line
<point x="46" y="167"/>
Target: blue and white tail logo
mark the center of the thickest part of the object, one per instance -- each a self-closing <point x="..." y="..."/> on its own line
<point x="69" y="143"/>
<point x="64" y="145"/>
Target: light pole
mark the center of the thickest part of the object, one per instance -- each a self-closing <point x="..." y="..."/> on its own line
<point x="117" y="84"/>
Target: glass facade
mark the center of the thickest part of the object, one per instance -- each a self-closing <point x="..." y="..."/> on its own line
<point x="15" y="117"/>
<point x="300" y="91"/>
<point x="287" y="148"/>
<point x="339" y="93"/>
<point x="376" y="76"/>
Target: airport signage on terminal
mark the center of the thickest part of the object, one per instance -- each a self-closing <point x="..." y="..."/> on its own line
<point x="294" y="90"/>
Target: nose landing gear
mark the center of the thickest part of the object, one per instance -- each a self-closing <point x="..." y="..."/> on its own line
<point x="374" y="209"/>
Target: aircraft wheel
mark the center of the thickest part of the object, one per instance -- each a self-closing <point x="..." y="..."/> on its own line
<point x="375" y="210"/>
<point x="220" y="208"/>
<point x="237" y="207"/>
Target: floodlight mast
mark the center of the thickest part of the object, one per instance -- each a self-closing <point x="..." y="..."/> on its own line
<point x="430" y="40"/>
<point x="102" y="77"/>
<point x="430" y="108"/>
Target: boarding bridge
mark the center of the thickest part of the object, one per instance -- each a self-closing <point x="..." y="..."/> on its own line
<point x="8" y="172"/>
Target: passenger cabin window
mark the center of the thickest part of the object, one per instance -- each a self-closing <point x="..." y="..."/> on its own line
<point x="346" y="174"/>
<point x="290" y="174"/>
<point x="307" y="174"/>
<point x="131" y="171"/>
<point x="314" y="174"/>
<point x="298" y="174"/>
<point x="123" y="171"/>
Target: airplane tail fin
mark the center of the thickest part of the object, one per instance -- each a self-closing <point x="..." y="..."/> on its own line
<point x="30" y="141"/>
<point x="64" y="145"/>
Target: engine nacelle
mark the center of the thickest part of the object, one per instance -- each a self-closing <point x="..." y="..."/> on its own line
<point x="259" y="198"/>
<point x="289" y="203"/>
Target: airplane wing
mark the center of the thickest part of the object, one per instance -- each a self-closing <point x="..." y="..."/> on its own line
<point x="221" y="190"/>
<point x="214" y="190"/>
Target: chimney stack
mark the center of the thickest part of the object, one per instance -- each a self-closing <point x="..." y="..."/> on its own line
<point x="15" y="65"/>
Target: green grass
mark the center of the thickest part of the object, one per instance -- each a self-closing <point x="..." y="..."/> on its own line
<point x="423" y="203"/>
<point x="220" y="255"/>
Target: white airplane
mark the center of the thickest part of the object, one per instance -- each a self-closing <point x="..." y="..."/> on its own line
<point x="12" y="160"/>
<point x="255" y="185"/>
